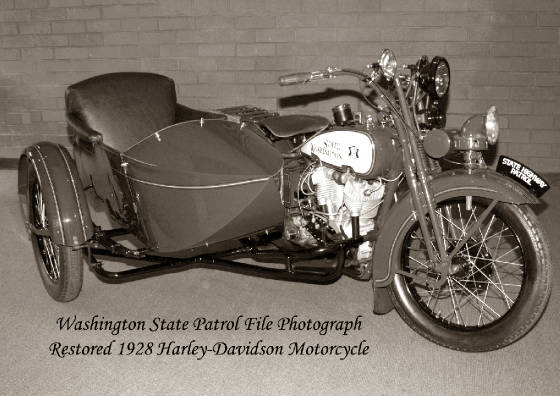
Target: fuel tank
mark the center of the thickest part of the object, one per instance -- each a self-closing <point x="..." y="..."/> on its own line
<point x="370" y="153"/>
<point x="203" y="182"/>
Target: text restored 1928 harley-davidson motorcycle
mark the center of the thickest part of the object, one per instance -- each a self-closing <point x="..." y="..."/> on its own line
<point x="457" y="252"/>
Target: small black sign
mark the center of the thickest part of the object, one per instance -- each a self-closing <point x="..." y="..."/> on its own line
<point x="523" y="175"/>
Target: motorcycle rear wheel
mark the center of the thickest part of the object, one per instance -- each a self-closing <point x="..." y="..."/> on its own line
<point x="500" y="289"/>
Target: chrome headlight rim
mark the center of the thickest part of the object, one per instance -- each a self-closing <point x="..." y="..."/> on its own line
<point x="388" y="63"/>
<point x="435" y="77"/>
<point x="492" y="125"/>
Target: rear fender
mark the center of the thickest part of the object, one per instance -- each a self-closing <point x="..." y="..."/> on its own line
<point x="486" y="183"/>
<point x="66" y="205"/>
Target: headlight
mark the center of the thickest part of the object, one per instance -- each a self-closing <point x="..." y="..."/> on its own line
<point x="388" y="63"/>
<point x="436" y="77"/>
<point x="491" y="125"/>
<point x="478" y="131"/>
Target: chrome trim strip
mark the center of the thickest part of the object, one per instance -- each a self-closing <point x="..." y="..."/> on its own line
<point x="54" y="195"/>
<point x="208" y="187"/>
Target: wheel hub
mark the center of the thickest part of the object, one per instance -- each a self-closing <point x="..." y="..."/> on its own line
<point x="473" y="268"/>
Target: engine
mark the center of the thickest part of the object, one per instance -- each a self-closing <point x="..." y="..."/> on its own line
<point x="334" y="190"/>
<point x="332" y="205"/>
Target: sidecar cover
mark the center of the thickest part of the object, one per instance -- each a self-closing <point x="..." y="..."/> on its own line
<point x="201" y="182"/>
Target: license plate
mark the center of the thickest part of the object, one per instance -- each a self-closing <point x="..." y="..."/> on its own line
<point x="523" y="175"/>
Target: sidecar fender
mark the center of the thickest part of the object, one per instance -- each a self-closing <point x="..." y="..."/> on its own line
<point x="483" y="183"/>
<point x="64" y="197"/>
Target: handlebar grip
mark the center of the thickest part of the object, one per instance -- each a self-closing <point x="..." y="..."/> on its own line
<point x="295" y="78"/>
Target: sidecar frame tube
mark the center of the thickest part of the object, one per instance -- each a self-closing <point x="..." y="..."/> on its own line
<point x="217" y="264"/>
<point x="161" y="265"/>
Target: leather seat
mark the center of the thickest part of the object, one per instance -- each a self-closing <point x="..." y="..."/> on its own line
<point x="122" y="108"/>
<point x="292" y="125"/>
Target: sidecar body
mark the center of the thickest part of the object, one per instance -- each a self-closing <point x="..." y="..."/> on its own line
<point x="198" y="183"/>
<point x="181" y="187"/>
<point x="177" y="178"/>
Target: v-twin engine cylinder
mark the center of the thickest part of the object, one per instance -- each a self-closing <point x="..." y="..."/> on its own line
<point x="338" y="203"/>
<point x="346" y="197"/>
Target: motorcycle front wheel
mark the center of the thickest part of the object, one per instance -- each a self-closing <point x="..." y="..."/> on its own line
<point x="499" y="286"/>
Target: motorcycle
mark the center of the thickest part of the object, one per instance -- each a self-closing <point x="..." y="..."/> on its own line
<point x="387" y="196"/>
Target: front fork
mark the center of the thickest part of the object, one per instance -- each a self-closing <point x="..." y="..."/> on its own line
<point x="422" y="198"/>
<point x="417" y="178"/>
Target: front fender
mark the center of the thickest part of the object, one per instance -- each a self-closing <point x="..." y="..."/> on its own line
<point x="70" y="221"/>
<point x="482" y="183"/>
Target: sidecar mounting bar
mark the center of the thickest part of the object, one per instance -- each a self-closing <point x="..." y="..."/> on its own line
<point x="296" y="268"/>
<point x="167" y="265"/>
<point x="295" y="255"/>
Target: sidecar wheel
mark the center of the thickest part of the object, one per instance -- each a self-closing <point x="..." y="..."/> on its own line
<point x="501" y="282"/>
<point x="60" y="267"/>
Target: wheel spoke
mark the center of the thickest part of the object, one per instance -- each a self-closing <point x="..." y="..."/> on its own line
<point x="483" y="303"/>
<point x="419" y="262"/>
<point x="47" y="249"/>
<point x="489" y="280"/>
<point x="496" y="269"/>
<point x="500" y="261"/>
<point x="489" y="283"/>
<point x="436" y="298"/>
<point x="508" y="252"/>
<point x="480" y="317"/>
<point x="455" y="310"/>
<point x="483" y="241"/>
<point x="495" y="235"/>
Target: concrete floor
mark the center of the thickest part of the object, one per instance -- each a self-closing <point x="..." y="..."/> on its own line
<point x="399" y="362"/>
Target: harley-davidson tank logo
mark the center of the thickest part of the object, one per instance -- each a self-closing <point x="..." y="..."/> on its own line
<point x="353" y="152"/>
<point x="342" y="148"/>
<point x="329" y="148"/>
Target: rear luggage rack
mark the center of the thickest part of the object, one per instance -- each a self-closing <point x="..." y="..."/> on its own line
<point x="247" y="114"/>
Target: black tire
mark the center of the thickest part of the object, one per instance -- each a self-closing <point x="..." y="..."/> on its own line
<point x="60" y="267"/>
<point x="501" y="285"/>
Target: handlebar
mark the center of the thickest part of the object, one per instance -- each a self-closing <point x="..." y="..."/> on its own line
<point x="330" y="72"/>
<point x="370" y="78"/>
<point x="295" y="78"/>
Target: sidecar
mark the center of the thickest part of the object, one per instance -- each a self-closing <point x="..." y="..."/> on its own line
<point x="183" y="183"/>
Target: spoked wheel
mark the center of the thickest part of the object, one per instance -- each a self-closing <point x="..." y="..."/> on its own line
<point x="60" y="266"/>
<point x="498" y="284"/>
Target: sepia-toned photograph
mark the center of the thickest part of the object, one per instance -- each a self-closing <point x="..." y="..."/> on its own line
<point x="279" y="197"/>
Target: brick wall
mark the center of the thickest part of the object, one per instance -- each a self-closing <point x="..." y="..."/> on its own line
<point x="227" y="52"/>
